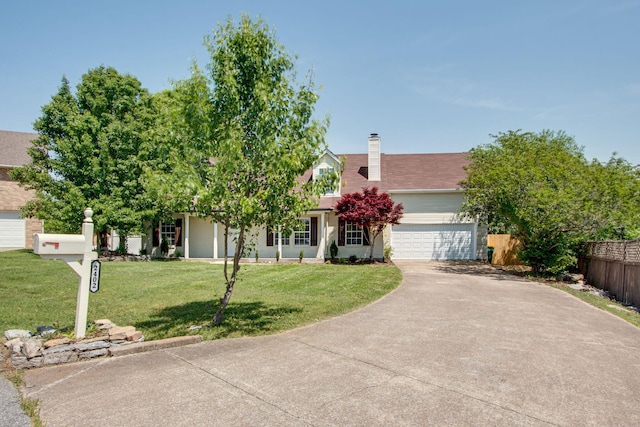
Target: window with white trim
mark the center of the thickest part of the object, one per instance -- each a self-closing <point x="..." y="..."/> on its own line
<point x="302" y="235"/>
<point x="285" y="239"/>
<point x="328" y="190"/>
<point x="353" y="234"/>
<point x="168" y="231"/>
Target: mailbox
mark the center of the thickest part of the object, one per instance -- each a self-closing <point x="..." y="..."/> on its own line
<point x="52" y="245"/>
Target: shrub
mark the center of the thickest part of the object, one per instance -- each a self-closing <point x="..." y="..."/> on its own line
<point x="333" y="250"/>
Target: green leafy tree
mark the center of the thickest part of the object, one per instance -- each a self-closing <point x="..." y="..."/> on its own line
<point x="613" y="198"/>
<point x="91" y="151"/>
<point x="533" y="186"/>
<point x="243" y="138"/>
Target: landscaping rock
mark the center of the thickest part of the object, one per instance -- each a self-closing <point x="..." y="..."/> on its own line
<point x="134" y="336"/>
<point x="93" y="353"/>
<point x="58" y="349"/>
<point x="16" y="333"/>
<point x="21" y="362"/>
<point x="32" y="348"/>
<point x="60" y="357"/>
<point x="89" y="346"/>
<point x="30" y="352"/>
<point x="15" y="345"/>
<point x="57" y="341"/>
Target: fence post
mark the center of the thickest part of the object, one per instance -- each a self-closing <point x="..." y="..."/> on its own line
<point x="624" y="273"/>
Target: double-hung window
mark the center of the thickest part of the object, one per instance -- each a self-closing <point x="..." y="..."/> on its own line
<point x="353" y="234"/>
<point x="329" y="190"/>
<point x="285" y="238"/>
<point x="302" y="235"/>
<point x="168" y="231"/>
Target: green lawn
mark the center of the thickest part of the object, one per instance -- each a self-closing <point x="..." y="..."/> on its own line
<point x="163" y="299"/>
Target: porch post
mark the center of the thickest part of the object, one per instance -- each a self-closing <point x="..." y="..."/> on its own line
<point x="322" y="243"/>
<point x="215" y="240"/>
<point x="186" y="236"/>
<point x="280" y="240"/>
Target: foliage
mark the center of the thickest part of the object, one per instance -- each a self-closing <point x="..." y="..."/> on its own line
<point x="301" y="255"/>
<point x="614" y="198"/>
<point x="243" y="137"/>
<point x="540" y="188"/>
<point x="333" y="250"/>
<point x="369" y="209"/>
<point x="388" y="252"/>
<point x="164" y="299"/>
<point x="164" y="246"/>
<point x="92" y="147"/>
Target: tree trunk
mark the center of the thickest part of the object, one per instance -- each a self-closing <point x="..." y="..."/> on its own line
<point x="217" y="318"/>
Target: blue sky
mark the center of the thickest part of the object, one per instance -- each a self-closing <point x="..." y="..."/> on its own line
<point x="428" y="76"/>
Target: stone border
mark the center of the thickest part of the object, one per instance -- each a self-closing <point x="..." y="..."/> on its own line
<point x="33" y="351"/>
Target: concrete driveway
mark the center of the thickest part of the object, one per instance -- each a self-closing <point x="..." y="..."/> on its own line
<point x="455" y="344"/>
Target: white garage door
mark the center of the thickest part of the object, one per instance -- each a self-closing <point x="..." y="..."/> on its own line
<point x="433" y="241"/>
<point x="12" y="230"/>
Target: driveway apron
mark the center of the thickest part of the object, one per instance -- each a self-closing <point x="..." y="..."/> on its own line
<point x="455" y="344"/>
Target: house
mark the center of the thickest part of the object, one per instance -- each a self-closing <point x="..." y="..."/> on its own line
<point x="426" y="184"/>
<point x="15" y="231"/>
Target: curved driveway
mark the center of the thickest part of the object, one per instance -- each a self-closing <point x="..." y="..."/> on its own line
<point x="455" y="344"/>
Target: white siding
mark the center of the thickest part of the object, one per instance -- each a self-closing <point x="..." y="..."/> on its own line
<point x="429" y="203"/>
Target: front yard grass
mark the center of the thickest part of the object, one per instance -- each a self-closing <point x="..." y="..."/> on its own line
<point x="164" y="299"/>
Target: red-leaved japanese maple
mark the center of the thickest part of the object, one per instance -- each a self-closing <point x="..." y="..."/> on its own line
<point x="369" y="209"/>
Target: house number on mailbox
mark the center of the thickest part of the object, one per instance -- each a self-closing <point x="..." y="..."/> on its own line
<point x="94" y="284"/>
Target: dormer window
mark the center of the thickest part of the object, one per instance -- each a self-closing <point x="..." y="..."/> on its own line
<point x="328" y="164"/>
<point x="329" y="190"/>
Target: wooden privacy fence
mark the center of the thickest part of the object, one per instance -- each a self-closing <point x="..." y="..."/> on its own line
<point x="614" y="266"/>
<point x="505" y="249"/>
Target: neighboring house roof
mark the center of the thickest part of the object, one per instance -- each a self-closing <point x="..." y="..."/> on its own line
<point x="14" y="148"/>
<point x="401" y="172"/>
<point x="13" y="152"/>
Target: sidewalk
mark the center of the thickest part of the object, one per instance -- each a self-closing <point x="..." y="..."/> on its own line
<point x="445" y="348"/>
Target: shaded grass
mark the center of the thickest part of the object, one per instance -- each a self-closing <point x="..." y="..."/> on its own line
<point x="164" y="299"/>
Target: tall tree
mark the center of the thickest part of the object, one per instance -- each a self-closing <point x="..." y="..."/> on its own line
<point x="371" y="210"/>
<point x="244" y="138"/>
<point x="91" y="150"/>
<point x="539" y="187"/>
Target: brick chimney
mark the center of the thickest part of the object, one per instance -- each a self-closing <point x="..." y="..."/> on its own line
<point x="374" y="157"/>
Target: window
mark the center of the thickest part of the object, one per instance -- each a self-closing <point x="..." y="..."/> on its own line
<point x="285" y="240"/>
<point x="329" y="190"/>
<point x="353" y="234"/>
<point x="168" y="231"/>
<point x="272" y="237"/>
<point x="302" y="235"/>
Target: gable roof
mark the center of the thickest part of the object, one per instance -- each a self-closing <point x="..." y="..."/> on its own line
<point x="402" y="172"/>
<point x="14" y="148"/>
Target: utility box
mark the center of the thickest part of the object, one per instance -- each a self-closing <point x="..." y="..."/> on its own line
<point x="53" y="245"/>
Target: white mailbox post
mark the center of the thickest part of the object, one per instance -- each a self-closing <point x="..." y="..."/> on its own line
<point x="71" y="248"/>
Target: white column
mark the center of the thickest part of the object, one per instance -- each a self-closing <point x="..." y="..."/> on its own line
<point x="186" y="236"/>
<point x="215" y="240"/>
<point x="280" y="240"/>
<point x="323" y="242"/>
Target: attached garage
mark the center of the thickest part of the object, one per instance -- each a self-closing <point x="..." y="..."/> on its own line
<point x="434" y="241"/>
<point x="12" y="230"/>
